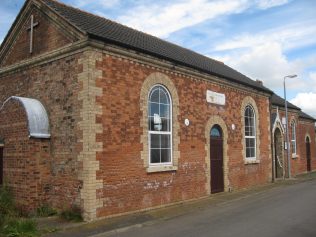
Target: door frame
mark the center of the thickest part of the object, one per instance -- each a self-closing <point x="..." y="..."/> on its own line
<point x="274" y="152"/>
<point x="308" y="156"/>
<point x="219" y="170"/>
<point x="216" y="120"/>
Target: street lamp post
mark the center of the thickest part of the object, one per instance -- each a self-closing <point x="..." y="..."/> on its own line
<point x="287" y="127"/>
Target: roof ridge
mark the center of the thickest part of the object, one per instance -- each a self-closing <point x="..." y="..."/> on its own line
<point x="142" y="32"/>
<point x="104" y="29"/>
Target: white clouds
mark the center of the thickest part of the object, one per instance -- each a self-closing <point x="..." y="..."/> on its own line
<point x="265" y="4"/>
<point x="289" y="36"/>
<point x="96" y="3"/>
<point x="306" y="101"/>
<point x="162" y="20"/>
<point x="264" y="62"/>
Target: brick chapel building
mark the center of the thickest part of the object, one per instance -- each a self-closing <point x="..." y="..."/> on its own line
<point x="100" y="116"/>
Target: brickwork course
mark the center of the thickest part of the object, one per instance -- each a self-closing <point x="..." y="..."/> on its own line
<point x="95" y="92"/>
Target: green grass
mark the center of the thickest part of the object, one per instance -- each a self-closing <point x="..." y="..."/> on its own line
<point x="19" y="227"/>
<point x="11" y="223"/>
<point x="7" y="205"/>
<point x="45" y="211"/>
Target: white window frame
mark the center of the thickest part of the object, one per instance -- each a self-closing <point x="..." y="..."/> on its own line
<point x="255" y="133"/>
<point x="293" y="141"/>
<point x="160" y="132"/>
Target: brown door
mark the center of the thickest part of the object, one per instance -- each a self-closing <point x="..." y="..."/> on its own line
<point x="1" y="165"/>
<point x="308" y="154"/>
<point x="216" y="156"/>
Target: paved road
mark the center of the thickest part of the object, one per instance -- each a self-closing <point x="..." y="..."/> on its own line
<point x="286" y="211"/>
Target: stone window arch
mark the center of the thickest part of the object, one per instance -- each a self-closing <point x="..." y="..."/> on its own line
<point x="162" y="83"/>
<point x="250" y="130"/>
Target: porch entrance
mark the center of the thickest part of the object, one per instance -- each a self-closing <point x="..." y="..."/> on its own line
<point x="278" y="154"/>
<point x="216" y="156"/>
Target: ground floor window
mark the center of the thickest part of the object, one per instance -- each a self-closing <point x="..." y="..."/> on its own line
<point x="160" y="126"/>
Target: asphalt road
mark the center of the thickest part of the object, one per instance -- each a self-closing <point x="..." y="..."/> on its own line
<point x="285" y="211"/>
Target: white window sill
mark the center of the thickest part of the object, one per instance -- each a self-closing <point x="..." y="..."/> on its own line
<point x="161" y="168"/>
<point x="295" y="156"/>
<point x="251" y="161"/>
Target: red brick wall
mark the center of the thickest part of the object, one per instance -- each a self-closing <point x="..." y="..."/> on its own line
<point x="306" y="128"/>
<point x="26" y="161"/>
<point x="127" y="185"/>
<point x="55" y="85"/>
<point x="46" y="37"/>
<point x="303" y="127"/>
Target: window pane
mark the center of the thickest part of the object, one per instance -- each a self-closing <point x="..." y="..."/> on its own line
<point x="165" y="141"/>
<point x="155" y="155"/>
<point x="293" y="135"/>
<point x="154" y="96"/>
<point x="164" y="111"/>
<point x="248" y="152"/>
<point x="252" y="131"/>
<point x="247" y="122"/>
<point x="247" y="142"/>
<point x="153" y="109"/>
<point x="155" y="141"/>
<point x="165" y="125"/>
<point x="293" y="131"/>
<point x="215" y="132"/>
<point x="163" y="96"/>
<point x="250" y="147"/>
<point x="151" y="123"/>
<point x="247" y="131"/>
<point x="293" y="147"/>
<point x="252" y="152"/>
<point x="165" y="155"/>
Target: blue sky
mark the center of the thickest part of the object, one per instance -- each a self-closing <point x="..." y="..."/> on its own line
<point x="263" y="39"/>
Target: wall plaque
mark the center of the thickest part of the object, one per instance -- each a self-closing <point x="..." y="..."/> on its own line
<point x="215" y="98"/>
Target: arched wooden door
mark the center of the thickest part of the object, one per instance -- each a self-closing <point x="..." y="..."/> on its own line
<point x="216" y="156"/>
<point x="308" y="153"/>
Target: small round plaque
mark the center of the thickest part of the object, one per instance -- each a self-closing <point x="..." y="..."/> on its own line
<point x="187" y="122"/>
<point x="233" y="126"/>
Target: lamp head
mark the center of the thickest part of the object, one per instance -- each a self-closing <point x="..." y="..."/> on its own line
<point x="291" y="76"/>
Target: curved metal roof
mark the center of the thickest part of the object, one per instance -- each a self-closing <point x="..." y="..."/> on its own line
<point x="37" y="117"/>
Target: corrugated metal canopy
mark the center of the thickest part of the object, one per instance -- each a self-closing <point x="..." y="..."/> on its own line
<point x="37" y="117"/>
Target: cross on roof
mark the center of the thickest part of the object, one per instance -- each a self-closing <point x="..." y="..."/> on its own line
<point x="31" y="28"/>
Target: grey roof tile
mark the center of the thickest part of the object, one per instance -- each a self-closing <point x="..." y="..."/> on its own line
<point x="118" y="34"/>
<point x="306" y="116"/>
<point x="278" y="101"/>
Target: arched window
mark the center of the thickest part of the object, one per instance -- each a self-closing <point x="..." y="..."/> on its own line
<point x="216" y="131"/>
<point x="159" y="126"/>
<point x="250" y="132"/>
<point x="293" y="137"/>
